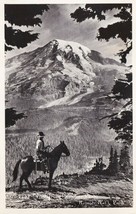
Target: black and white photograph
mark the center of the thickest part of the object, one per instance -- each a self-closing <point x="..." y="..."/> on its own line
<point x="68" y="105"/>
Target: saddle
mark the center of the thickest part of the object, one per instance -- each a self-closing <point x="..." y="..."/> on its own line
<point x="40" y="165"/>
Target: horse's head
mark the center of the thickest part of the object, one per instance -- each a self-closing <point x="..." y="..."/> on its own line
<point x="64" y="148"/>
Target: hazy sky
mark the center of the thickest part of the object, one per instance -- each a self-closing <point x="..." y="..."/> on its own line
<point x="58" y="24"/>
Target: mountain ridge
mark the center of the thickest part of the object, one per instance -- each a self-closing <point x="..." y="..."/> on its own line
<point x="94" y="53"/>
<point x="59" y="71"/>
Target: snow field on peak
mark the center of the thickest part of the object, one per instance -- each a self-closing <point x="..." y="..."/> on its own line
<point x="69" y="68"/>
<point x="77" y="48"/>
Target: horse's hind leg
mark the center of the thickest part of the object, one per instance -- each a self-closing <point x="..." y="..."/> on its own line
<point x="50" y="179"/>
<point x="21" y="180"/>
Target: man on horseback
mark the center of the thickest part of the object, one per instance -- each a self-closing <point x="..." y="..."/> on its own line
<point x="27" y="164"/>
<point x="41" y="151"/>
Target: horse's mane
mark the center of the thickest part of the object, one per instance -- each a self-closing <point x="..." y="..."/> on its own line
<point x="55" y="150"/>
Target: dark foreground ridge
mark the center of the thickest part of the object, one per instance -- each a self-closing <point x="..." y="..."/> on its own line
<point x="74" y="191"/>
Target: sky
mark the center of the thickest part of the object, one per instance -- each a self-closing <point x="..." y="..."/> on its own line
<point x="58" y="24"/>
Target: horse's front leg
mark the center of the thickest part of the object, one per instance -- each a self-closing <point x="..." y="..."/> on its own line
<point x="26" y="175"/>
<point x="29" y="185"/>
<point x="50" y="179"/>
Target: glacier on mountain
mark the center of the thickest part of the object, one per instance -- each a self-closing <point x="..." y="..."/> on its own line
<point x="59" y="73"/>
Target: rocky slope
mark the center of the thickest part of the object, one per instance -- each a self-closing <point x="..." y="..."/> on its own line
<point x="60" y="73"/>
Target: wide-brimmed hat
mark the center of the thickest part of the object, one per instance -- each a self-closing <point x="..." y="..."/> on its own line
<point x="41" y="134"/>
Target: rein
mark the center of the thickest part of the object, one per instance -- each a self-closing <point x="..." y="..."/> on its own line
<point x="63" y="156"/>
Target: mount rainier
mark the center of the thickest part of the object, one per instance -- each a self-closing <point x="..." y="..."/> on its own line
<point x="60" y="73"/>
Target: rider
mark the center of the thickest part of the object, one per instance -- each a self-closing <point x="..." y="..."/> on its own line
<point x="41" y="149"/>
<point x="40" y="145"/>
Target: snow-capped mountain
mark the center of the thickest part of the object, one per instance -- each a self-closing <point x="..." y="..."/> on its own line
<point x="60" y="73"/>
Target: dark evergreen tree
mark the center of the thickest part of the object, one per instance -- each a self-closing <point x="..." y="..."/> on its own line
<point x="113" y="167"/>
<point x="121" y="122"/>
<point x="124" y="160"/>
<point x="98" y="166"/>
<point x="111" y="161"/>
<point x="115" y="163"/>
<point x="21" y="15"/>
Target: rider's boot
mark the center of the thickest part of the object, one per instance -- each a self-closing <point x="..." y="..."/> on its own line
<point x="43" y="167"/>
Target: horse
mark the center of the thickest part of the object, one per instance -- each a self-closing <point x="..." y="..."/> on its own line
<point x="27" y="164"/>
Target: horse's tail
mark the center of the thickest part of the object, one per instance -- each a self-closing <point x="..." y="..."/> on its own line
<point x="15" y="171"/>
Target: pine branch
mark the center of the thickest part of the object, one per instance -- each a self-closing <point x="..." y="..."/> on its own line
<point x="24" y="14"/>
<point x="114" y="97"/>
<point x="123" y="81"/>
<point x="108" y="116"/>
<point x="117" y="113"/>
<point x="128" y="103"/>
<point x="19" y="38"/>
